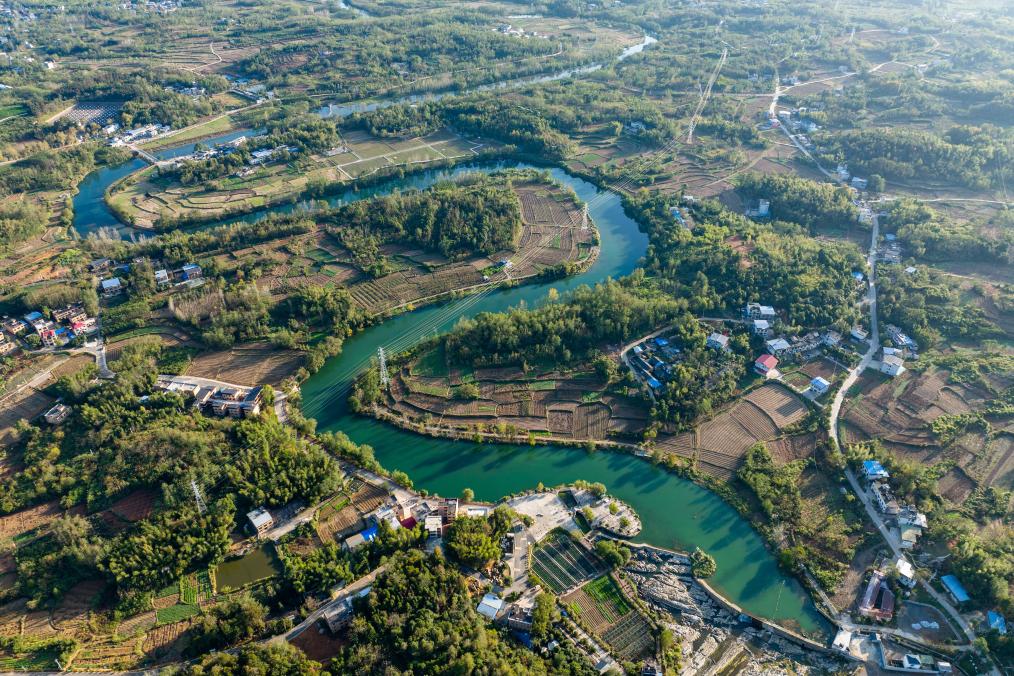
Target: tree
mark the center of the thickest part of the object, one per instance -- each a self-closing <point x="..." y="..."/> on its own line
<point x="702" y="564"/>
<point x="276" y="659"/>
<point x="467" y="495"/>
<point x="238" y="618"/>
<point x="615" y="554"/>
<point x="470" y="540"/>
<point x="543" y="614"/>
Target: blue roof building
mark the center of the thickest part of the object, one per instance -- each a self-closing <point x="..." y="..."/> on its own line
<point x="874" y="470"/>
<point x="33" y="316"/>
<point x="654" y="384"/>
<point x="955" y="588"/>
<point x="661" y="342"/>
<point x="369" y="534"/>
<point x="997" y="621"/>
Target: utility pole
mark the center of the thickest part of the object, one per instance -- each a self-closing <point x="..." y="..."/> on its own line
<point x="382" y="358"/>
<point x="201" y="507"/>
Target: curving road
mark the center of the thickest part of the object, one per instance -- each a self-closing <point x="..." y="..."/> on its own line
<point x="853" y="375"/>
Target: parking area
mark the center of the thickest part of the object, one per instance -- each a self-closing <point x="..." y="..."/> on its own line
<point x="548" y="511"/>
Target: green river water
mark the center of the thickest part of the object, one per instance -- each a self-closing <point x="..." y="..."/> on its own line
<point x="676" y="513"/>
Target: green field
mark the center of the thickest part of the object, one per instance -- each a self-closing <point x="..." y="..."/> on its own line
<point x="542" y="385"/>
<point x="432" y="364"/>
<point x="608" y="598"/>
<point x="176" y="613"/>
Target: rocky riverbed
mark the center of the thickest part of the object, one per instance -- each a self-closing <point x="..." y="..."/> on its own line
<point x="715" y="640"/>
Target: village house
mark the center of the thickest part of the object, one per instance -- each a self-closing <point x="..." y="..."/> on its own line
<point x="14" y="326"/>
<point x="955" y="589"/>
<point x="831" y="339"/>
<point x="859" y="334"/>
<point x="519" y="619"/>
<point x="765" y="364"/>
<point x="892" y="365"/>
<point x="819" y="385"/>
<point x="357" y="540"/>
<point x="777" y="346"/>
<point x="758" y="311"/>
<point x="261" y="521"/>
<point x="906" y="572"/>
<point x="340" y="615"/>
<point x="490" y="606"/>
<point x="162" y="278"/>
<point x="873" y="470"/>
<point x="878" y="599"/>
<point x="762" y="328"/>
<point x="884" y="498"/>
<point x="111" y="286"/>
<point x="718" y="341"/>
<point x="57" y="414"/>
<point x="7" y="346"/>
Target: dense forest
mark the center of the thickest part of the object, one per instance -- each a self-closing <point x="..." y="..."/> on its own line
<point x="970" y="156"/>
<point x="559" y="334"/>
<point x="127" y="437"/>
<point x="420" y="616"/>
<point x="930" y="307"/>
<point x="929" y="235"/>
<point x="729" y="260"/>
<point x="476" y="214"/>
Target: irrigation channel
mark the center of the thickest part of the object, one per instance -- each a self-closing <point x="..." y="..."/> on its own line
<point x="675" y="512"/>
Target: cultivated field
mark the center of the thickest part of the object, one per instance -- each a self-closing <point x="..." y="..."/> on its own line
<point x="899" y="412"/>
<point x="149" y="199"/>
<point x="249" y="364"/>
<point x="562" y="563"/>
<point x="603" y="609"/>
<point x="720" y="444"/>
<point x="343" y="515"/>
<point x="574" y="405"/>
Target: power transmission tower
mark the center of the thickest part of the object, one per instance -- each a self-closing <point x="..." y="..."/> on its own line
<point x="384" y="379"/>
<point x="201" y="507"/>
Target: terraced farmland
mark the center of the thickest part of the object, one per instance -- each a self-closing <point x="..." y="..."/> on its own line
<point x="562" y="563"/>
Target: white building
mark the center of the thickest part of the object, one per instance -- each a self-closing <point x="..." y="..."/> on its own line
<point x="906" y="572"/>
<point x="762" y="328"/>
<point x="758" y="311"/>
<point x="777" y="346"/>
<point x="260" y="520"/>
<point x="892" y="365"/>
<point x="819" y="385"/>
<point x="717" y="341"/>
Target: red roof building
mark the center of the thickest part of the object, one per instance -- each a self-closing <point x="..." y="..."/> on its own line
<point x="765" y="363"/>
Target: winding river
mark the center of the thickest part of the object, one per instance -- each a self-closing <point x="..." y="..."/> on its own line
<point x="676" y="513"/>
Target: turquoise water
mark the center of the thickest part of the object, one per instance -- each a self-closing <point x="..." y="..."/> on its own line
<point x="676" y="513"/>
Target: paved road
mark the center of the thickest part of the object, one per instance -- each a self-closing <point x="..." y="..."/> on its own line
<point x="871" y="510"/>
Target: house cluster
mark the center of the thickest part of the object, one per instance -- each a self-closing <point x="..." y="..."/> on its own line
<point x="61" y="327"/>
<point x="237" y="402"/>
<point x="911" y="522"/>
<point x="797" y="121"/>
<point x="253" y="92"/>
<point x="653" y="361"/>
<point x="157" y="6"/>
<point x="892" y="360"/>
<point x="845" y="176"/>
<point x="264" y="155"/>
<point x="193" y="90"/>
<point x="145" y="133"/>
<point x="507" y="29"/>
<point x="189" y="274"/>
<point x="436" y="514"/>
<point x="762" y="320"/>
